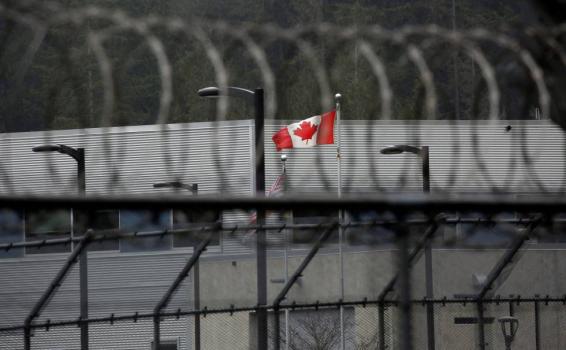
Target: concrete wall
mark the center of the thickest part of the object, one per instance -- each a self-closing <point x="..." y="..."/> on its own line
<point x="118" y="285"/>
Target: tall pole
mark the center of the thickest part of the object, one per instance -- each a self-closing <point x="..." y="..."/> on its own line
<point x="196" y="289"/>
<point x="405" y="334"/>
<point x="287" y="261"/>
<point x="424" y="153"/>
<point x="276" y="310"/>
<point x="260" y="232"/>
<point x="83" y="258"/>
<point x="338" y="98"/>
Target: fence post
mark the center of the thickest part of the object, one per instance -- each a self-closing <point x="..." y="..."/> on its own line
<point x="156" y="331"/>
<point x="537" y="325"/>
<point x="27" y="337"/>
<point x="405" y="332"/>
<point x="381" y="325"/>
<point x="196" y="292"/>
<point x="481" y="328"/>
<point x="276" y="326"/>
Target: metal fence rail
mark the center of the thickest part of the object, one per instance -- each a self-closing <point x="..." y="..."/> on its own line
<point x="508" y="191"/>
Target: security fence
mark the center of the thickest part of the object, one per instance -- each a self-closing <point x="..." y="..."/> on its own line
<point x="344" y="251"/>
<point x="396" y="314"/>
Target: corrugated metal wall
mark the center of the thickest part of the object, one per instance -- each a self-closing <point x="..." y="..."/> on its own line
<point x="528" y="158"/>
<point x="128" y="160"/>
<point x="220" y="158"/>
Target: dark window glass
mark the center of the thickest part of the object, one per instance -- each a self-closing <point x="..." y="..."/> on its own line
<point x="313" y="216"/>
<point x="11" y="230"/>
<point x="145" y="221"/>
<point x="369" y="227"/>
<point x="167" y="345"/>
<point x="194" y="219"/>
<point x="48" y="224"/>
<point x="476" y="230"/>
<point x="100" y="221"/>
<point x="554" y="232"/>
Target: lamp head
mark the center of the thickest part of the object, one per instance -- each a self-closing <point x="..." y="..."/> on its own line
<point x="47" y="148"/>
<point x="176" y="184"/>
<point x="162" y="185"/>
<point x="214" y="92"/>
<point x="211" y="91"/>
<point x="283" y="157"/>
<point x="398" y="149"/>
<point x="391" y="150"/>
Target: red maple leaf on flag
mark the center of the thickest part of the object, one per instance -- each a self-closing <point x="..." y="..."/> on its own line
<point x="305" y="131"/>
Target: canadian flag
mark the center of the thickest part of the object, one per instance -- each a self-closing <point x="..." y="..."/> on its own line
<point x="317" y="130"/>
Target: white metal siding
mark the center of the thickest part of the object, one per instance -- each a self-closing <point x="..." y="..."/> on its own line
<point x="453" y="161"/>
<point x="123" y="283"/>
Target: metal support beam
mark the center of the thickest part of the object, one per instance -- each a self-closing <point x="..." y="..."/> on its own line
<point x="53" y="286"/>
<point x="505" y="260"/>
<point x="281" y="296"/>
<point x="429" y="233"/>
<point x="396" y="203"/>
<point x="172" y="288"/>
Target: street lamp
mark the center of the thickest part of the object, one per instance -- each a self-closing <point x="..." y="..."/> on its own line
<point x="78" y="154"/>
<point x="257" y="97"/>
<point x="423" y="153"/>
<point x="509" y="326"/>
<point x="420" y="151"/>
<point x="177" y="184"/>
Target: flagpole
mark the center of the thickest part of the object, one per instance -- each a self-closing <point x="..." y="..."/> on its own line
<point x="338" y="98"/>
<point x="286" y="256"/>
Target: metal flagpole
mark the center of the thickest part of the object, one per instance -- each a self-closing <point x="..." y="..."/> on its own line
<point x="338" y="97"/>
<point x="286" y="256"/>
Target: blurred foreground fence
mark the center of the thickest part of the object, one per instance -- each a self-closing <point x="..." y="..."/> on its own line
<point x="344" y="259"/>
<point x="390" y="311"/>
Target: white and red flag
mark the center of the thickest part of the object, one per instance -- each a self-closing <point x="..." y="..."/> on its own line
<point x="317" y="130"/>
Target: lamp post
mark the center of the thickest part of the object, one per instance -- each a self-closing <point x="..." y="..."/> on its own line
<point x="255" y="96"/>
<point x="422" y="152"/>
<point x="193" y="188"/>
<point x="177" y="184"/>
<point x="78" y="154"/>
<point x="509" y="326"/>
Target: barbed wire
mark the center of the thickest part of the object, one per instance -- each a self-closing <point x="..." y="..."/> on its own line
<point x="417" y="44"/>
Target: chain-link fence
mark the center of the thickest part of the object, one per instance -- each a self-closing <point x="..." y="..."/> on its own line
<point x="164" y="235"/>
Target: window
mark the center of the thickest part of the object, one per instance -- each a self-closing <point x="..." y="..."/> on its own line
<point x="11" y="230"/>
<point x="145" y="221"/>
<point x="480" y="233"/>
<point x="370" y="234"/>
<point x="98" y="220"/>
<point x="193" y="219"/>
<point x="313" y="216"/>
<point x="167" y="344"/>
<point x="48" y="224"/>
